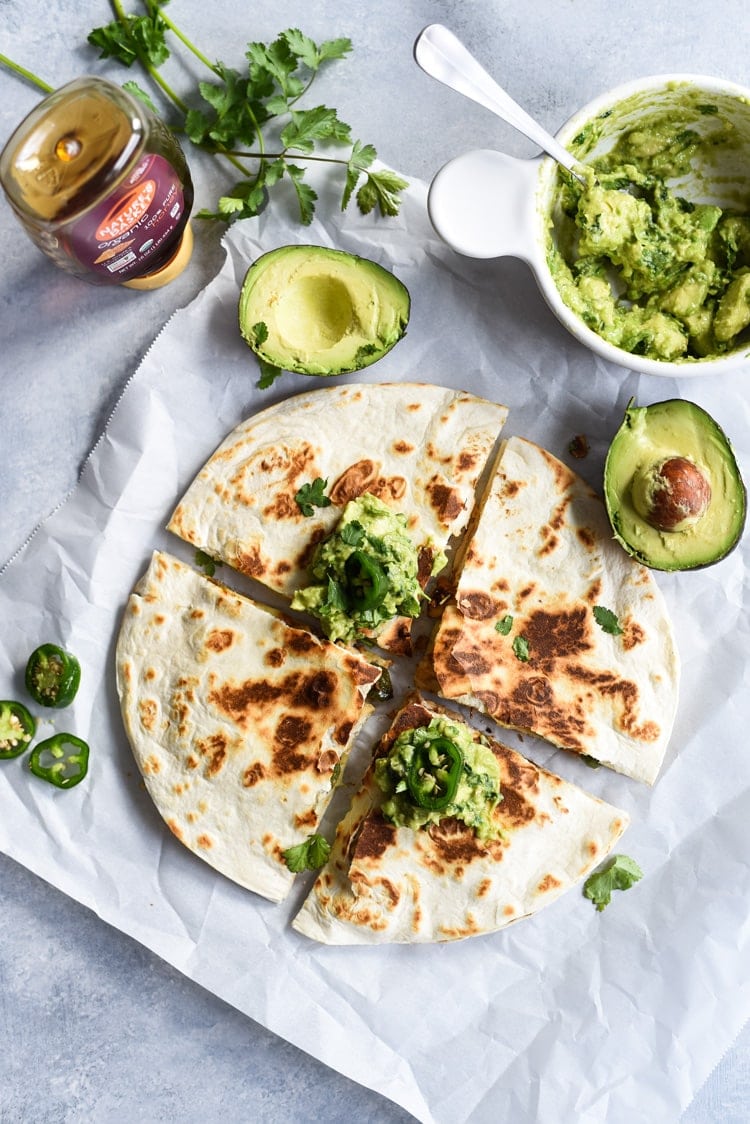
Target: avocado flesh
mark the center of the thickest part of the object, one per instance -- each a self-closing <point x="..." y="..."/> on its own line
<point x="318" y="311"/>
<point x="648" y="436"/>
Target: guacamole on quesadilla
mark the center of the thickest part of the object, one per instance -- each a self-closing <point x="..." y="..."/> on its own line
<point x="534" y="837"/>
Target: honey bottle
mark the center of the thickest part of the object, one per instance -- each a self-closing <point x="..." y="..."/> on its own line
<point x="101" y="186"/>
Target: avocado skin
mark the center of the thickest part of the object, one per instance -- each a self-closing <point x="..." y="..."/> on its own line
<point x="321" y="311"/>
<point x="693" y="431"/>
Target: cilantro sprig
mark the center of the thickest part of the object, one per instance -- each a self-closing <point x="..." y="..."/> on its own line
<point x="249" y="116"/>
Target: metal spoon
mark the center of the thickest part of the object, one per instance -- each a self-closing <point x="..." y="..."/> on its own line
<point x="444" y="57"/>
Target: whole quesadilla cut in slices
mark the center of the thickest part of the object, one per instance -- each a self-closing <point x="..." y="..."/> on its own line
<point x="554" y="629"/>
<point x="278" y="484"/>
<point x="239" y="722"/>
<point x="506" y="841"/>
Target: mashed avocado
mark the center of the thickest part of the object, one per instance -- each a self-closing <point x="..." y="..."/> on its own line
<point x="365" y="573"/>
<point x="477" y="791"/>
<point x="645" y="268"/>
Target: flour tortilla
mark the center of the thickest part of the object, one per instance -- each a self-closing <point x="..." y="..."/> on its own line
<point x="238" y="721"/>
<point x="420" y="448"/>
<point x="542" y="553"/>
<point x="394" y="884"/>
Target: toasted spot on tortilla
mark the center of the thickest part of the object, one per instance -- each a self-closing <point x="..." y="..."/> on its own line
<point x="549" y="882"/>
<point x="402" y="447"/>
<point x="376" y="836"/>
<point x="151" y="673"/>
<point x="214" y="748"/>
<point x="250" y="562"/>
<point x="484" y="887"/>
<point x="253" y="774"/>
<point x="275" y="658"/>
<point x="219" y="639"/>
<point x="205" y="841"/>
<point x="306" y="819"/>
<point x="632" y="635"/>
<point x="353" y="481"/>
<point x="477" y="605"/>
<point x="151" y="765"/>
<point x="148" y="710"/>
<point x="328" y="761"/>
<point x="175" y="828"/>
<point x="389" y="488"/>
<point x="446" y="501"/>
<point x="586" y="537"/>
<point x="558" y="635"/>
<point x="342" y="733"/>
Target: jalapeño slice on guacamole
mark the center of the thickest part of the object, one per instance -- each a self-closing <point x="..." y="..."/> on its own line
<point x="439" y="771"/>
<point x="365" y="573"/>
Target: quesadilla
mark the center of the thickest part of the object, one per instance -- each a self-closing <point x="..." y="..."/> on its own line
<point x="446" y="880"/>
<point x="239" y="722"/>
<point x="278" y="484"/>
<point x="554" y="629"/>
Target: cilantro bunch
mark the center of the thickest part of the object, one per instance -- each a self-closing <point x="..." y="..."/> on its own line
<point x="252" y="117"/>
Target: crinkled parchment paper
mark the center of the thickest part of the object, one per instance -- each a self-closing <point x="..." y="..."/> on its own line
<point x="572" y="1015"/>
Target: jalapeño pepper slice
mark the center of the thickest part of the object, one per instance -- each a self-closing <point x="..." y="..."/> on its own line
<point x="434" y="773"/>
<point x="52" y="676"/>
<point x="17" y="728"/>
<point x="367" y="581"/>
<point x="62" y="760"/>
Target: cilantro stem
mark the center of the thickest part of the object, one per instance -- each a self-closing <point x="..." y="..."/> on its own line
<point x="187" y="42"/>
<point x="154" y="73"/>
<point x="24" y="73"/>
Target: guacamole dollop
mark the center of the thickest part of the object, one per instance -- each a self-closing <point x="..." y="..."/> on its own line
<point x="643" y="267"/>
<point x="365" y="573"/>
<point x="477" y="793"/>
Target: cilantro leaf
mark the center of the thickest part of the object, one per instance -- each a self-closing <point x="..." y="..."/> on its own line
<point x="619" y="873"/>
<point x="306" y="195"/>
<point x="607" y="620"/>
<point x="206" y="563"/>
<point x="268" y="374"/>
<point x="131" y="39"/>
<point x="362" y="156"/>
<point x="308" y="855"/>
<point x="521" y="649"/>
<point x="382" y="190"/>
<point x="352" y="533"/>
<point x="312" y="495"/>
<point x="504" y="625"/>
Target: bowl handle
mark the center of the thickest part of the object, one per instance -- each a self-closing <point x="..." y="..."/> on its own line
<point x="483" y="205"/>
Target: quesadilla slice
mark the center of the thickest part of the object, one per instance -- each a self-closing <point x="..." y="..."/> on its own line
<point x="507" y="839"/>
<point x="277" y="486"/>
<point x="554" y="629"/>
<point x="239" y="722"/>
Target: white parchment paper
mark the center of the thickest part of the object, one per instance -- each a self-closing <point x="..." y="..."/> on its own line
<point x="571" y="1015"/>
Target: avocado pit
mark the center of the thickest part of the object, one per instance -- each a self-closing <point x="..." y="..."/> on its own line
<point x="671" y="495"/>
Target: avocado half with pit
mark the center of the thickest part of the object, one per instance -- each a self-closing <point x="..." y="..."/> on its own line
<point x="318" y="311"/>
<point x="673" y="490"/>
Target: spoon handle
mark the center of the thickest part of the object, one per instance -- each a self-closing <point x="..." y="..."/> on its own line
<point x="444" y="57"/>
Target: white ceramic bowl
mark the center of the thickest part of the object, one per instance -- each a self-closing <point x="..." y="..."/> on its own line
<point x="485" y="204"/>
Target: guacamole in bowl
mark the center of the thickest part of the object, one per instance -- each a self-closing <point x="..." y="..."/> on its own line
<point x="647" y="254"/>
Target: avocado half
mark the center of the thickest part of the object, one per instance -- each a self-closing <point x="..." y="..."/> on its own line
<point x="672" y="487"/>
<point x="318" y="311"/>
